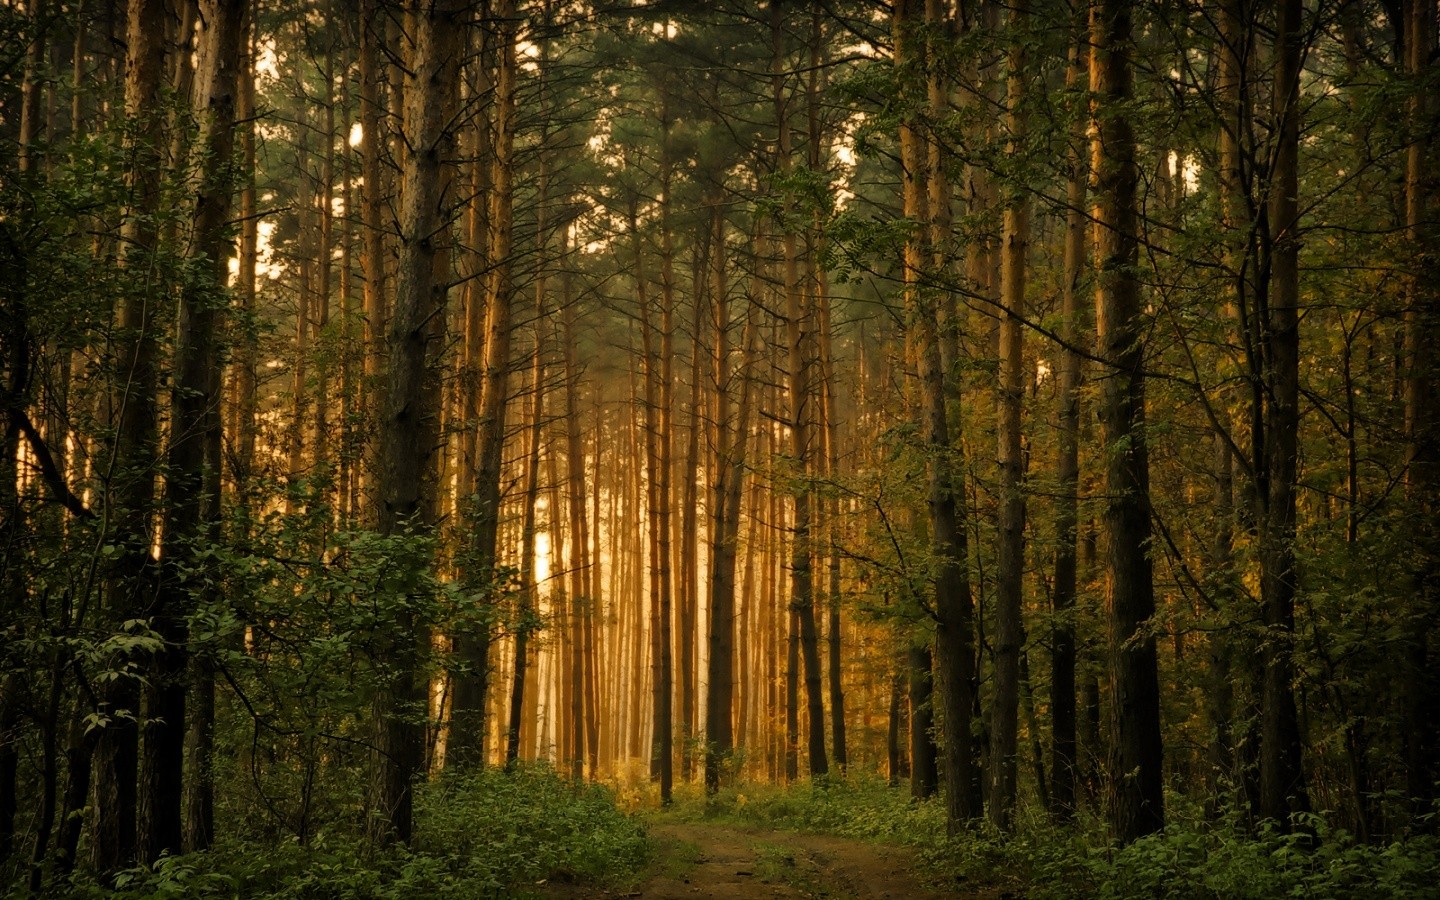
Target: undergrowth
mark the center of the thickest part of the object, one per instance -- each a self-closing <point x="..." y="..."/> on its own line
<point x="489" y="834"/>
<point x="1193" y="859"/>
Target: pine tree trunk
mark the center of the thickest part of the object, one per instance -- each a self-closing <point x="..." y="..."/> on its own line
<point x="409" y="426"/>
<point x="1136" y="806"/>
<point x="468" y="725"/>
<point x="797" y="325"/>
<point x="529" y="589"/>
<point x="1067" y="469"/>
<point x="131" y="500"/>
<point x="1010" y="531"/>
<point x="191" y="496"/>
<point x="1282" y="780"/>
<point x="1422" y="328"/>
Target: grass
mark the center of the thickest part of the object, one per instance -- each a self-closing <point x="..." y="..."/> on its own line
<point x="1194" y="858"/>
<point x="489" y="834"/>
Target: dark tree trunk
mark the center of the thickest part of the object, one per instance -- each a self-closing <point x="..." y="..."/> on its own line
<point x="409" y="427"/>
<point x="1136" y="802"/>
<point x="130" y="586"/>
<point x="1067" y="469"/>
<point x="1421" y="689"/>
<point x="192" y="503"/>
<point x="1282" y="780"/>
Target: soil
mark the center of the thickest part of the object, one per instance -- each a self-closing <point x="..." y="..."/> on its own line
<point x="728" y="862"/>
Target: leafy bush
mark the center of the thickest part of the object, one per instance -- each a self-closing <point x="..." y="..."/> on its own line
<point x="488" y="834"/>
<point x="1193" y="859"/>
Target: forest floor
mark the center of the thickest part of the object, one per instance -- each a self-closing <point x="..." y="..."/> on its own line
<point x="731" y="862"/>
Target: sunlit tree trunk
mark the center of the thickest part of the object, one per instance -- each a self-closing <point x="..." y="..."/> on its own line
<point x="797" y="329"/>
<point x="818" y="151"/>
<point x="584" y="596"/>
<point x="372" y="252"/>
<point x="529" y="599"/>
<point x="467" y="727"/>
<point x="655" y="347"/>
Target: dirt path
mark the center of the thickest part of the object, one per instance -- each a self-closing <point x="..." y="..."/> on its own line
<point x="724" y="862"/>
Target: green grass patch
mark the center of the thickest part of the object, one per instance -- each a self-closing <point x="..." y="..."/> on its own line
<point x="1193" y="859"/>
<point x="488" y="834"/>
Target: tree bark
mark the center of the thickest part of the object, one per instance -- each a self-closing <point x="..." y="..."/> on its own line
<point x="1010" y="531"/>
<point x="192" y="511"/>
<point x="1282" y="780"/>
<point x="797" y="325"/>
<point x="467" y="723"/>
<point x="131" y="499"/>
<point x="1067" y="468"/>
<point x="409" y="427"/>
<point x="1422" y="422"/>
<point x="1136" y="806"/>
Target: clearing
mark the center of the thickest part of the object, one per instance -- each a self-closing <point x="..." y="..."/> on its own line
<point x="701" y="859"/>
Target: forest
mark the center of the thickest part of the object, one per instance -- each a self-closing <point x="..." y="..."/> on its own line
<point x="472" y="447"/>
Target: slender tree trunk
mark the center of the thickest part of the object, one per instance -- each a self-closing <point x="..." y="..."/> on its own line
<point x="730" y="463"/>
<point x="688" y="586"/>
<point x="467" y="726"/>
<point x="818" y="155"/>
<point x="1282" y="780"/>
<point x="797" y="325"/>
<point x="1067" y="468"/>
<point x="529" y="588"/>
<point x="1010" y="552"/>
<point x="1136" y="805"/>
<point x="1421" y="688"/>
<point x="372" y="254"/>
<point x="114" y="844"/>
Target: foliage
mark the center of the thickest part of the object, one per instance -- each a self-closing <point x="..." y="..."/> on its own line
<point x="490" y="834"/>
<point x="1193" y="858"/>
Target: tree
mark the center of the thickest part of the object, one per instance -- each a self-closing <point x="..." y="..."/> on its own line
<point x="1282" y="781"/>
<point x="1136" y="804"/>
<point x="409" y="427"/>
<point x="192" y="487"/>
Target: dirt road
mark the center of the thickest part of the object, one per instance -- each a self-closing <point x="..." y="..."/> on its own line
<point x="726" y="862"/>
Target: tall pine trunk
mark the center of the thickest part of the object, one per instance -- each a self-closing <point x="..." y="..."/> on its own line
<point x="1282" y="782"/>
<point x="409" y="428"/>
<point x="1136" y="805"/>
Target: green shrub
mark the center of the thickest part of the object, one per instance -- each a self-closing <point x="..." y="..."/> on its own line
<point x="488" y="834"/>
<point x="1193" y="859"/>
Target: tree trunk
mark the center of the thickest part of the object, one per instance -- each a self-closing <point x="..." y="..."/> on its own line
<point x="409" y="428"/>
<point x="1136" y="805"/>
<point x="467" y="723"/>
<point x="1067" y="468"/>
<point x="1422" y="328"/>
<point x="372" y="254"/>
<point x="1282" y="780"/>
<point x="192" y="512"/>
<point x="1010" y="552"/>
<point x="797" y="324"/>
<point x="131" y="499"/>
<point x="529" y="589"/>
